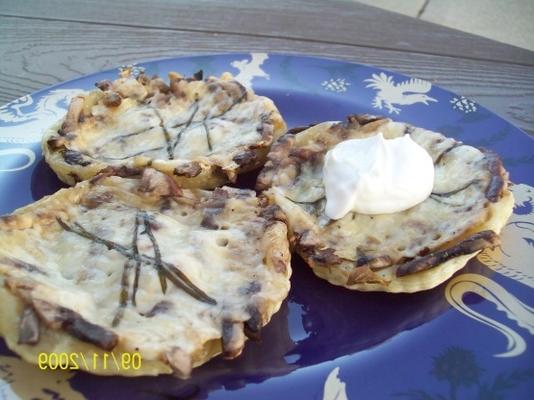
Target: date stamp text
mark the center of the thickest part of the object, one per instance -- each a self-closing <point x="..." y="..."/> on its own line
<point x="90" y="362"/>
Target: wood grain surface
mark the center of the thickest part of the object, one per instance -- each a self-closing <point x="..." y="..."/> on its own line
<point x="42" y="43"/>
<point x="339" y="22"/>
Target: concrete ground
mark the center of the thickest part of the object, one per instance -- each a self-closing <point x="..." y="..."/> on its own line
<point x="507" y="21"/>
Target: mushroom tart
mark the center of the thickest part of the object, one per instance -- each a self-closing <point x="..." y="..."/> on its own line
<point x="201" y="132"/>
<point x="138" y="265"/>
<point x="407" y="251"/>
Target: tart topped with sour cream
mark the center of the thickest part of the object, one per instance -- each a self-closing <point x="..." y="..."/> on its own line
<point x="201" y="132"/>
<point x="395" y="217"/>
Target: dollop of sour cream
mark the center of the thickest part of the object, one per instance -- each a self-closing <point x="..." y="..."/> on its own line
<point x="376" y="176"/>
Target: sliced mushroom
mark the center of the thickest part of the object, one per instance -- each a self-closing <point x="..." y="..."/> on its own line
<point x="159" y="184"/>
<point x="233" y="339"/>
<point x="246" y="159"/>
<point x="112" y="99"/>
<point x="72" y="118"/>
<point x="189" y="170"/>
<point x="57" y="317"/>
<point x="93" y="200"/>
<point x="254" y="324"/>
<point x="180" y="361"/>
<point x="104" y="85"/>
<point x="29" y="327"/>
<point x="214" y="206"/>
<point x="364" y="275"/>
<point x="74" y="157"/>
<point x="374" y="262"/>
<point x="174" y="79"/>
<point x="497" y="181"/>
<point x="476" y="242"/>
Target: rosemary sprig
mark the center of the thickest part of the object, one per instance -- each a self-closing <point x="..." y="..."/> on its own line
<point x="446" y="151"/>
<point x="208" y="139"/>
<point x="304" y="202"/>
<point x="436" y="198"/>
<point x="19" y="264"/>
<point x="239" y="100"/>
<point x="186" y="126"/>
<point x="182" y="281"/>
<point x="177" y="277"/>
<point x="447" y="194"/>
<point x="125" y="288"/>
<point x="157" y="252"/>
<point x="127" y="135"/>
<point x="166" y="134"/>
<point x="135" y="251"/>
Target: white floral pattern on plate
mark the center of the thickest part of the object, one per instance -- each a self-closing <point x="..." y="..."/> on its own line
<point x="26" y="121"/>
<point x="334" y="388"/>
<point x="463" y="104"/>
<point x="338" y="85"/>
<point x="408" y="92"/>
<point x="250" y="69"/>
<point x="519" y="233"/>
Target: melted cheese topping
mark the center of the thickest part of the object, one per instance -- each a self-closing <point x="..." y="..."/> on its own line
<point x="180" y="130"/>
<point x="201" y="119"/>
<point x="82" y="274"/>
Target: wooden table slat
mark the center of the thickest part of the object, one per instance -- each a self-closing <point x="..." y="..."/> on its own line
<point x="32" y="58"/>
<point x="333" y="21"/>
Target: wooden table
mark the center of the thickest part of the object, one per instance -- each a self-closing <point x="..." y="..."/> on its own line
<point x="45" y="42"/>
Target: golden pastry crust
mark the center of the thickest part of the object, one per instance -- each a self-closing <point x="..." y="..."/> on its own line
<point x="408" y="251"/>
<point x="140" y="265"/>
<point x="202" y="133"/>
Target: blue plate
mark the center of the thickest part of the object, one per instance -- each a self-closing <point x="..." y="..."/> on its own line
<point x="470" y="338"/>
